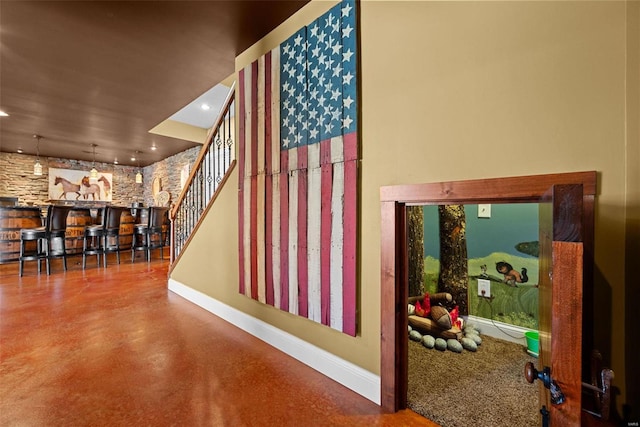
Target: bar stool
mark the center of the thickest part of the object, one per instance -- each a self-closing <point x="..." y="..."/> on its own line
<point x="54" y="228"/>
<point x="139" y="239"/>
<point x="150" y="236"/>
<point x="104" y="238"/>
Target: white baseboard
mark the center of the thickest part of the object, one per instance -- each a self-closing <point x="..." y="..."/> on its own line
<point x="346" y="373"/>
<point x="500" y="330"/>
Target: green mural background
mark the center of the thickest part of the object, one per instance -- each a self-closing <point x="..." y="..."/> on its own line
<point x="511" y="230"/>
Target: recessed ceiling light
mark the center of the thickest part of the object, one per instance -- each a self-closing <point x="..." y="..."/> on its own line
<point x="153" y="148"/>
<point x="3" y="114"/>
<point x="115" y="161"/>
<point x="205" y="107"/>
<point x="20" y="150"/>
<point x="133" y="159"/>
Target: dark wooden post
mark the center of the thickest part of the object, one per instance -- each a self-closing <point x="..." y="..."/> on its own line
<point x="415" y="247"/>
<point x="454" y="271"/>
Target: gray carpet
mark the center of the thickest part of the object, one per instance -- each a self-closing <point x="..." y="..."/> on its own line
<point x="485" y="388"/>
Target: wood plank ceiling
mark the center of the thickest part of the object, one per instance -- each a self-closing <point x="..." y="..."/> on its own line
<point x="87" y="72"/>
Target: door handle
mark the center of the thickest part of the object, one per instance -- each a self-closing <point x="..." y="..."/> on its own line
<point x="532" y="374"/>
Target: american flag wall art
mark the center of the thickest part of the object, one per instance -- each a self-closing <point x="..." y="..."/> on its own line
<point x="298" y="160"/>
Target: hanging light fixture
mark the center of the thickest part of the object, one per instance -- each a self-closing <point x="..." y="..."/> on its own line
<point x="139" y="173"/>
<point x="37" y="167"/>
<point x="93" y="173"/>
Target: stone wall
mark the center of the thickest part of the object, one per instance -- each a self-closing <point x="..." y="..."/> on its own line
<point x="168" y="171"/>
<point x="17" y="178"/>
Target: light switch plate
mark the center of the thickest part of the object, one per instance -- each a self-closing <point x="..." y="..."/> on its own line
<point x="484" y="288"/>
<point x="484" y="211"/>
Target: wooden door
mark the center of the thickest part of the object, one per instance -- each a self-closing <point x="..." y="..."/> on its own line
<point x="525" y="189"/>
<point x="560" y="304"/>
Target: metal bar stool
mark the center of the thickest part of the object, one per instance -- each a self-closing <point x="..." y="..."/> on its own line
<point x="105" y="238"/>
<point x="139" y="237"/>
<point x="152" y="235"/>
<point x="46" y="247"/>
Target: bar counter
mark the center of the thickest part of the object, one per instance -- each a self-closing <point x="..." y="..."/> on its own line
<point x="15" y="218"/>
<point x="12" y="220"/>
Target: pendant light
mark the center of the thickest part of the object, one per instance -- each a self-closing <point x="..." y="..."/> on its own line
<point x="93" y="173"/>
<point x="138" y="173"/>
<point x="37" y="167"/>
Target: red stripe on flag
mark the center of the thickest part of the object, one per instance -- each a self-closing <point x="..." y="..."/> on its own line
<point x="350" y="146"/>
<point x="267" y="112"/>
<point x="350" y="218"/>
<point x="325" y="231"/>
<point x="269" y="238"/>
<point x="241" y="136"/>
<point x="303" y="279"/>
<point x="269" y="182"/>
<point x="284" y="231"/>
<point x="254" y="119"/>
<point x="254" y="237"/>
<point x="253" y="227"/>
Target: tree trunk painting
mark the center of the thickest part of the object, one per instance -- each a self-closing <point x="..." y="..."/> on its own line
<point x="415" y="237"/>
<point x="454" y="272"/>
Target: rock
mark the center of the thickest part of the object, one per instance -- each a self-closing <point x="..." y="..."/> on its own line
<point x="470" y="330"/>
<point x="476" y="338"/>
<point x="428" y="341"/>
<point x="454" y="345"/>
<point x="471" y="326"/>
<point x="440" y="344"/>
<point x="415" y="336"/>
<point x="469" y="344"/>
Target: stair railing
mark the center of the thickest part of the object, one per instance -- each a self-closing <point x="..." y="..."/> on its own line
<point x="208" y="174"/>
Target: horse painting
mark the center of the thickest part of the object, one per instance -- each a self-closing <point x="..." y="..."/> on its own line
<point x="67" y="187"/>
<point x="89" y="189"/>
<point x="106" y="185"/>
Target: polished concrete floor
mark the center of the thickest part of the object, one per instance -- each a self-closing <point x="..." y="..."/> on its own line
<point x="113" y="347"/>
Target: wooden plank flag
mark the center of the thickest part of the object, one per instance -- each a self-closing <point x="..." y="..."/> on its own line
<point x="298" y="157"/>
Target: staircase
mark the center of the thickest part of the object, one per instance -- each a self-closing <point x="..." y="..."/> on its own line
<point x="208" y="174"/>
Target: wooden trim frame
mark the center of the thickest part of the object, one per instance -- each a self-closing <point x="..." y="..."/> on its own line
<point x="394" y="269"/>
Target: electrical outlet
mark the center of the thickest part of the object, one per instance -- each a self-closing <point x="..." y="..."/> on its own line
<point x="484" y="211"/>
<point x="484" y="288"/>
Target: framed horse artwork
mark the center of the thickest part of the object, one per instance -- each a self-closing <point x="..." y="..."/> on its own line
<point x="76" y="186"/>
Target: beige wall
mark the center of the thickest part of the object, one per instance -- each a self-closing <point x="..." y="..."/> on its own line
<point x="632" y="291"/>
<point x="463" y="90"/>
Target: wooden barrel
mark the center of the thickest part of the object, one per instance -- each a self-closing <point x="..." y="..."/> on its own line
<point x="77" y="220"/>
<point x="127" y="222"/>
<point x="12" y="220"/>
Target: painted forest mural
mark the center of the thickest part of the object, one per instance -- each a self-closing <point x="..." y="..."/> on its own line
<point x="501" y="250"/>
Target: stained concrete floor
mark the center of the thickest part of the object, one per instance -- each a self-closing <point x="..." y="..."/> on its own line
<point x="113" y="347"/>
